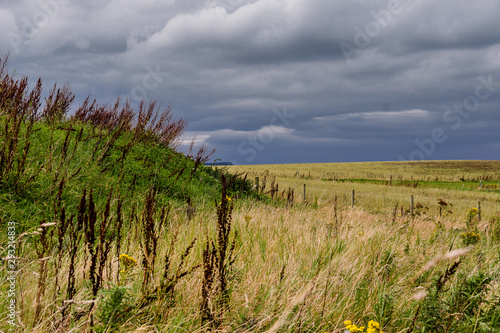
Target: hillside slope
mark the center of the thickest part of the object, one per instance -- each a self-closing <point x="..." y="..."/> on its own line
<point x="49" y="157"/>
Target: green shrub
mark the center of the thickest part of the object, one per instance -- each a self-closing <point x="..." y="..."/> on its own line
<point x="113" y="310"/>
<point x="467" y="306"/>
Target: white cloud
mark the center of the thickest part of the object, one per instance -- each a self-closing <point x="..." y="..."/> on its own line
<point x="195" y="137"/>
<point x="379" y="116"/>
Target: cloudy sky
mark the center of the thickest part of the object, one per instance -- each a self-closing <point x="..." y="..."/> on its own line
<point x="282" y="81"/>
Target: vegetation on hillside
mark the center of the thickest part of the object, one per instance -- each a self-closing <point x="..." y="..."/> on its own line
<point x="47" y="154"/>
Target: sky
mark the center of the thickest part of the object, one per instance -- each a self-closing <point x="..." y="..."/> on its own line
<point x="281" y="81"/>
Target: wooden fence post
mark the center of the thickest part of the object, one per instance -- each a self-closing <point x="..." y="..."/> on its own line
<point x="479" y="210"/>
<point x="411" y="204"/>
<point x="257" y="184"/>
<point x="304" y="192"/>
<point x="352" y="204"/>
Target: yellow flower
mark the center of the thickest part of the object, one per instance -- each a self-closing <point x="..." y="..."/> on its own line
<point x="373" y="327"/>
<point x="353" y="328"/>
<point x="127" y="261"/>
<point x="471" y="213"/>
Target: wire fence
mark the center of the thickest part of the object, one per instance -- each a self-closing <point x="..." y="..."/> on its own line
<point x="381" y="201"/>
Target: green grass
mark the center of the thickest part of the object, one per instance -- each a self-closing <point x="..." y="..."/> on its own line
<point x="486" y="186"/>
<point x="146" y="165"/>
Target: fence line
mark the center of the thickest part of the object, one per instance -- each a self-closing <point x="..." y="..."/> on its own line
<point x="365" y="193"/>
<point x="360" y="197"/>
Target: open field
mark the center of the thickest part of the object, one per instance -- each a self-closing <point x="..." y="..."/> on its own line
<point x="302" y="267"/>
<point x="306" y="268"/>
<point x="415" y="170"/>
<point x="380" y="186"/>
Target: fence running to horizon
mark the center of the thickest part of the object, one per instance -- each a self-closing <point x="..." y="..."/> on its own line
<point x="390" y="200"/>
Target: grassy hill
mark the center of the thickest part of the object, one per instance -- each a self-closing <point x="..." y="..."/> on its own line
<point x="48" y="156"/>
<point x="80" y="183"/>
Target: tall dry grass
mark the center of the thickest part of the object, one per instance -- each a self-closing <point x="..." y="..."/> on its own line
<point x="299" y="269"/>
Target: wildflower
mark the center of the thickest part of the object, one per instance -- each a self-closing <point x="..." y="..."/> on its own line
<point x="350" y="327"/>
<point x="127" y="262"/>
<point x="470" y="237"/>
<point x="228" y="199"/>
<point x="373" y="327"/>
<point x="471" y="213"/>
<point x="442" y="202"/>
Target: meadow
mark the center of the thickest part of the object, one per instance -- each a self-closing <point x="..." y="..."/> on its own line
<point x="107" y="227"/>
<point x="381" y="186"/>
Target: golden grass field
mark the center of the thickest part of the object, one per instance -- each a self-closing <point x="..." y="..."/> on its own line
<point x="415" y="170"/>
<point x="314" y="265"/>
<point x="442" y="178"/>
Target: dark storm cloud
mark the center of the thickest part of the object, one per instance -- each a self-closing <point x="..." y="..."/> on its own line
<point x="446" y="25"/>
<point x="282" y="80"/>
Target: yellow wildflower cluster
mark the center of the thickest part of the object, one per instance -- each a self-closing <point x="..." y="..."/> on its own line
<point x="127" y="261"/>
<point x="353" y="328"/>
<point x="471" y="234"/>
<point x="373" y="327"/>
<point x="471" y="213"/>
<point x="470" y="237"/>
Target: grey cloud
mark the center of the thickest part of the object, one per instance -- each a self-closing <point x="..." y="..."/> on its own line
<point x="225" y="65"/>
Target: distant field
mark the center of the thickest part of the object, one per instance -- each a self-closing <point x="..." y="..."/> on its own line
<point x="422" y="170"/>
<point x="380" y="186"/>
